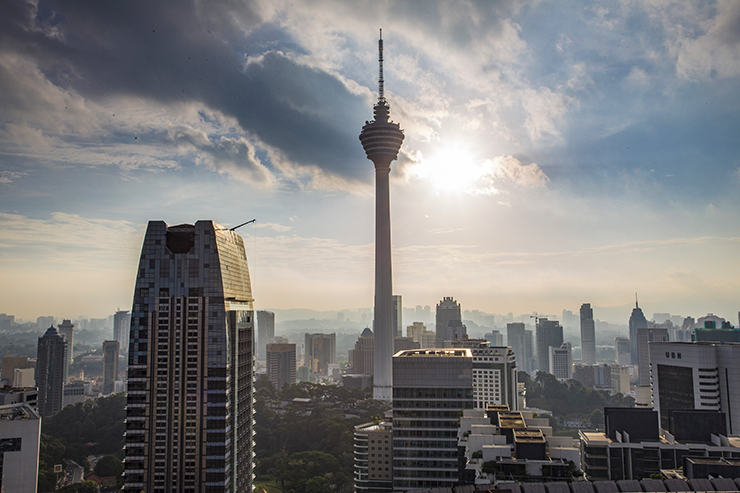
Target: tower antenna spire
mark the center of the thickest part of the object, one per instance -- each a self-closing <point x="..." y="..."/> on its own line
<point x="381" y="89"/>
<point x="636" y="305"/>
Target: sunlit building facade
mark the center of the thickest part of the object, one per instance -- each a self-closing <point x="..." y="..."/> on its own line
<point x="189" y="418"/>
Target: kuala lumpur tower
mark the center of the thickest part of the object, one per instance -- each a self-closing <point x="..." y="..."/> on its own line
<point x="381" y="140"/>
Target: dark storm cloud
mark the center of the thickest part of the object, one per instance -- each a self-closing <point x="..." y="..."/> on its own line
<point x="172" y="52"/>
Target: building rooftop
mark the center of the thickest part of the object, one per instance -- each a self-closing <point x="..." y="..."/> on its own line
<point x="440" y="353"/>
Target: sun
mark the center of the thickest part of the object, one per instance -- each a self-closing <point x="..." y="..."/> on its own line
<point x="451" y="168"/>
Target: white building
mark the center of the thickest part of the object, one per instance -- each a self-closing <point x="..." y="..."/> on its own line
<point x="696" y="375"/>
<point x="20" y="434"/>
<point x="561" y="361"/>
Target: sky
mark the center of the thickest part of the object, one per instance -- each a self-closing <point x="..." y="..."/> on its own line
<point x="555" y="152"/>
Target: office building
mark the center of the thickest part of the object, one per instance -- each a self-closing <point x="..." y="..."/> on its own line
<point x="516" y="338"/>
<point x="644" y="338"/>
<point x="622" y="351"/>
<point x="10" y="363"/>
<point x="361" y="358"/>
<point x="382" y="140"/>
<point x="620" y="376"/>
<point x="265" y="331"/>
<point x="51" y="372"/>
<point x="24" y="377"/>
<point x="397" y="316"/>
<point x="404" y="343"/>
<point x="449" y="326"/>
<point x="415" y="331"/>
<point x="634" y="447"/>
<point x="521" y="445"/>
<point x="42" y="322"/>
<point x="637" y="321"/>
<point x="597" y="376"/>
<point x="321" y="351"/>
<point x="373" y="457"/>
<point x="281" y="364"/>
<point x="20" y="435"/>
<point x="561" y="361"/>
<point x="702" y="376"/>
<point x="494" y="376"/>
<point x="67" y="330"/>
<point x="711" y="333"/>
<point x="431" y="387"/>
<point x="495" y="337"/>
<point x="549" y="334"/>
<point x="110" y="365"/>
<point x="588" y="335"/>
<point x="189" y="417"/>
<point x="121" y="328"/>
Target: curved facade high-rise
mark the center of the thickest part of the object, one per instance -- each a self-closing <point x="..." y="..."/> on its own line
<point x="189" y="414"/>
<point x="382" y="140"/>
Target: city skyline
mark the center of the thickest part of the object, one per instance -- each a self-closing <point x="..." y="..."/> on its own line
<point x="553" y="154"/>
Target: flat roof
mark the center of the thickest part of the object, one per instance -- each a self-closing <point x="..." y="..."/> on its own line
<point x="439" y="353"/>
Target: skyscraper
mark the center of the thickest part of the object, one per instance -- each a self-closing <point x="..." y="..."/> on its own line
<point x="51" y="372"/>
<point x="281" y="364"/>
<point x="189" y="425"/>
<point x="637" y="321"/>
<point x="515" y="337"/>
<point x="430" y="389"/>
<point x="363" y="355"/>
<point x="321" y="351"/>
<point x="397" y="316"/>
<point x="110" y="366"/>
<point x="561" y="361"/>
<point x="588" y="336"/>
<point x="644" y="338"/>
<point x="382" y="140"/>
<point x="121" y="327"/>
<point x="448" y="321"/>
<point x="265" y="331"/>
<point x="67" y="330"/>
<point x="549" y="334"/>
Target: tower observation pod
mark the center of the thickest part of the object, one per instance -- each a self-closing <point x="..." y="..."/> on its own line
<point x="382" y="140"/>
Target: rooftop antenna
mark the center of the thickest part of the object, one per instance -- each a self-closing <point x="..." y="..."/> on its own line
<point x="636" y="305"/>
<point x="242" y="224"/>
<point x="381" y="92"/>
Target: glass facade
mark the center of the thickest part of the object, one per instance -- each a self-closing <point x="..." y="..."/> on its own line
<point x="189" y="414"/>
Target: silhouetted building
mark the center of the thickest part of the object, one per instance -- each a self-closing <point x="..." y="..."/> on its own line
<point x="121" y="328"/>
<point x="361" y="358"/>
<point x="430" y="389"/>
<point x="622" y="351"/>
<point x="281" y="364"/>
<point x="516" y="338"/>
<point x="449" y="326"/>
<point x="382" y="140"/>
<point x="549" y="334"/>
<point x="594" y="376"/>
<point x="404" y="343"/>
<point x="51" y="372"/>
<point x="711" y="333"/>
<point x="189" y="413"/>
<point x="110" y="366"/>
<point x="588" y="335"/>
<point x="67" y="330"/>
<point x="265" y="331"/>
<point x="321" y="351"/>
<point x="397" y="316"/>
<point x="644" y="338"/>
<point x="637" y="321"/>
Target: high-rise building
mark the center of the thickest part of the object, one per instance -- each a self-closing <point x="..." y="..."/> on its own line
<point x="696" y="375"/>
<point x="189" y="418"/>
<point x="362" y="357"/>
<point x="588" y="335"/>
<point x="110" y="365"/>
<point x="281" y="364"/>
<point x="51" y="372"/>
<point x="20" y="434"/>
<point x="637" y="321"/>
<point x="430" y="389"/>
<point x="321" y="351"/>
<point x="620" y="379"/>
<point x="415" y="331"/>
<point x="265" y="331"/>
<point x="549" y="334"/>
<point x="42" y="322"/>
<point x="494" y="376"/>
<point x="67" y="330"/>
<point x="9" y="365"/>
<point x="515" y="337"/>
<point x="382" y="140"/>
<point x="374" y="457"/>
<point x="622" y="354"/>
<point x="397" y="316"/>
<point x="121" y="328"/>
<point x="645" y="337"/>
<point x="561" y="361"/>
<point x="449" y="326"/>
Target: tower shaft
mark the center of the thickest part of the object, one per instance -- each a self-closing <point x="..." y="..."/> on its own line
<point x="383" y="370"/>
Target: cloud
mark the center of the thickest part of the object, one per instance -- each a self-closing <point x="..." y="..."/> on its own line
<point x="7" y="177"/>
<point x="521" y="175"/>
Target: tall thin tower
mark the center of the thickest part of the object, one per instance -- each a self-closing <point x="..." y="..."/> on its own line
<point x="381" y="140"/>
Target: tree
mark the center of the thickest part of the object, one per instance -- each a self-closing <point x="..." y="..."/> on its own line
<point x="83" y="487"/>
<point x="597" y="418"/>
<point x="108" y="465"/>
